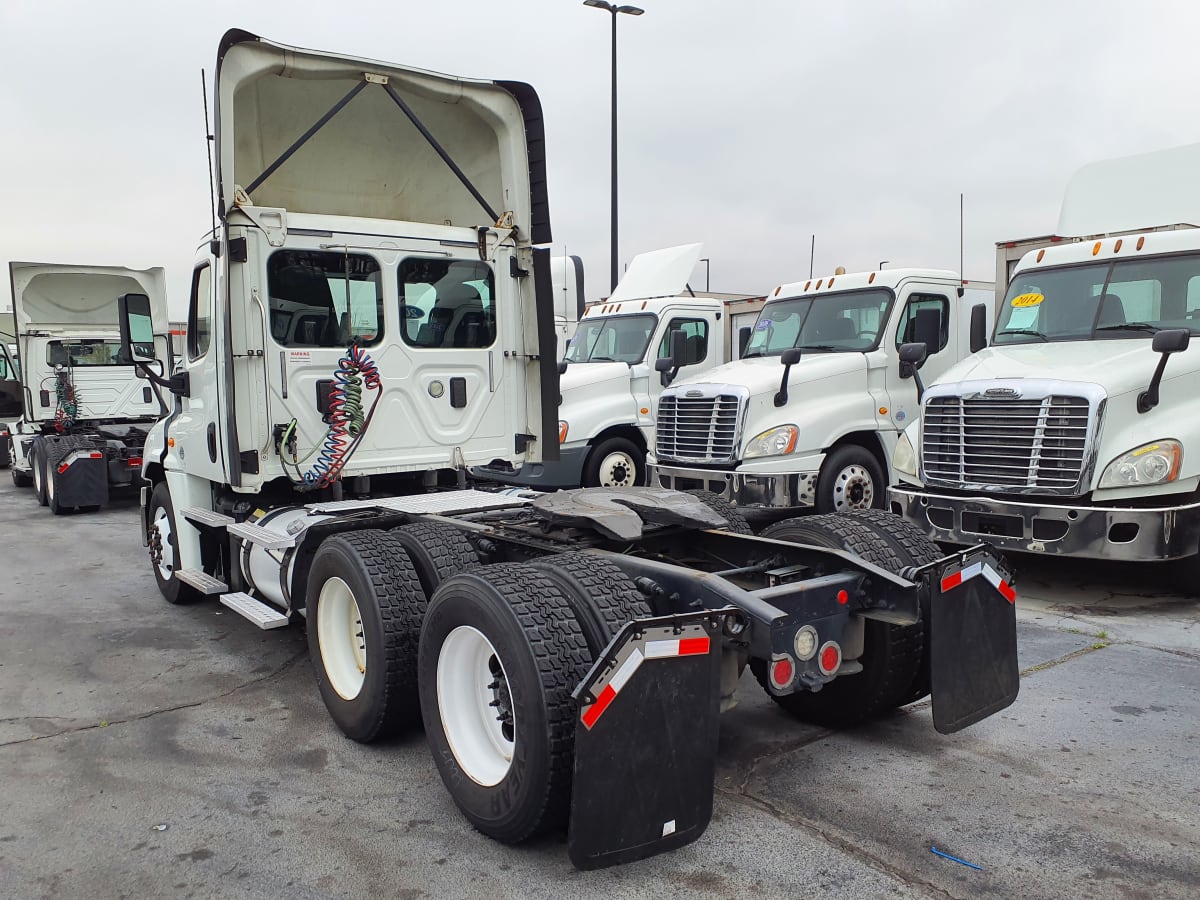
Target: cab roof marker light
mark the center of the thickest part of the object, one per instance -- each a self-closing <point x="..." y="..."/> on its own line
<point x="830" y="283"/>
<point x="871" y="278"/>
<point x="1041" y="253"/>
<point x="1096" y="248"/>
<point x="1141" y="242"/>
<point x="819" y="280"/>
<point x="777" y="290"/>
<point x="1117" y="246"/>
<point x="807" y="283"/>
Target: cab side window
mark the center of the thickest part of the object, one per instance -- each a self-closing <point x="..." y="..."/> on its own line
<point x="447" y="303"/>
<point x="199" y="327"/>
<point x="907" y="332"/>
<point x="695" y="345"/>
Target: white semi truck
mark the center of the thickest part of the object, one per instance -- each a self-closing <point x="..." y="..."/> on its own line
<point x="84" y="412"/>
<point x="1076" y="432"/>
<point x="811" y="413"/>
<point x="324" y="419"/>
<point x="609" y="383"/>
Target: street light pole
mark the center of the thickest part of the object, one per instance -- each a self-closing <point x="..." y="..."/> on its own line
<point x="613" y="9"/>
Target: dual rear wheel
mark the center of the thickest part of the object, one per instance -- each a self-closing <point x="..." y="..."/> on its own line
<point x="402" y="629"/>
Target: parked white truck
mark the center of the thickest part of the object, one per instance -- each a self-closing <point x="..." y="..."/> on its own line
<point x="811" y="413"/>
<point x="328" y="409"/>
<point x="608" y="383"/>
<point x="84" y="412"/>
<point x="1077" y="432"/>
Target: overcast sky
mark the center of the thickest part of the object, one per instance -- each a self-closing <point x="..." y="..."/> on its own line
<point x="747" y="125"/>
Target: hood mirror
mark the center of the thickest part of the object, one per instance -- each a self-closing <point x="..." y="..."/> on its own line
<point x="789" y="358"/>
<point x="1166" y="342"/>
<point x="562" y="367"/>
<point x="912" y="357"/>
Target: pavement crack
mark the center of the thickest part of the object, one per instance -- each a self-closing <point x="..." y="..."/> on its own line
<point x="137" y="717"/>
<point x="1050" y="664"/>
<point x="846" y="845"/>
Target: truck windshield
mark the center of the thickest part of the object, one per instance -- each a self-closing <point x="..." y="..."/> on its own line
<point x="612" y="339"/>
<point x="845" y="322"/>
<point x="1122" y="299"/>
<point x="88" y="352"/>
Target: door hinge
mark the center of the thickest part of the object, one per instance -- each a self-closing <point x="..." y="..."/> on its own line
<point x="522" y="441"/>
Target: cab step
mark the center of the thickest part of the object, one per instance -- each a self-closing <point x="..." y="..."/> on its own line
<point x="201" y="581"/>
<point x="198" y="515"/>
<point x="256" y="611"/>
<point x="264" y="537"/>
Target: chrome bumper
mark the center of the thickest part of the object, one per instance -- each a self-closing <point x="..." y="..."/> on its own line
<point x="1096" y="532"/>
<point x="783" y="491"/>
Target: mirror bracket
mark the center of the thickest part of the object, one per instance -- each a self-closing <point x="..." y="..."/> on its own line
<point x="789" y="358"/>
<point x="1166" y="343"/>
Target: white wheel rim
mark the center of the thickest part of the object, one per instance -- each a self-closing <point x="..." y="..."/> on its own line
<point x="853" y="489"/>
<point x="341" y="638"/>
<point x="166" y="554"/>
<point x="618" y="470"/>
<point x="474" y="725"/>
<point x="37" y="475"/>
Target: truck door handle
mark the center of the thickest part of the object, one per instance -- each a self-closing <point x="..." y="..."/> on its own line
<point x="212" y="442"/>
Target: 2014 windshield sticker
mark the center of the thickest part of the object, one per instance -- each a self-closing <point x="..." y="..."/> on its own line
<point x="1025" y="300"/>
<point x="763" y="324"/>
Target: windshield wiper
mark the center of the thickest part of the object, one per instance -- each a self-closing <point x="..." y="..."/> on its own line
<point x="601" y="359"/>
<point x="1131" y="326"/>
<point x="825" y="347"/>
<point x="1023" y="331"/>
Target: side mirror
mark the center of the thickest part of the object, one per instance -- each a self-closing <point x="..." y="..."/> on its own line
<point x="136" y="328"/>
<point x="1166" y="342"/>
<point x="669" y="365"/>
<point x="562" y="367"/>
<point x="743" y="340"/>
<point x="789" y="358"/>
<point x="912" y="357"/>
<point x="979" y="327"/>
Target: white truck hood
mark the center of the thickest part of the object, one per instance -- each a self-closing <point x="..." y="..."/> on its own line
<point x="52" y="297"/>
<point x="761" y="375"/>
<point x="370" y="159"/>
<point x="1118" y="366"/>
<point x="659" y="273"/>
<point x="579" y="375"/>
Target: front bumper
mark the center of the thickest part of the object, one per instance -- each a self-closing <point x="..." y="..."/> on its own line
<point x="1094" y="532"/>
<point x="782" y="490"/>
<point x="566" y="473"/>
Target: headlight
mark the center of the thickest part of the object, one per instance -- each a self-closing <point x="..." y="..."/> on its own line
<point x="1154" y="463"/>
<point x="775" y="442"/>
<point x="904" y="459"/>
<point x="562" y="432"/>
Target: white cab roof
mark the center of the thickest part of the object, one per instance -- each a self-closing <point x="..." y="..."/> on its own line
<point x="883" y="278"/>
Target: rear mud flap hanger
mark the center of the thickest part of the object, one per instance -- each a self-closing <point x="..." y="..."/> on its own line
<point x="242" y="196"/>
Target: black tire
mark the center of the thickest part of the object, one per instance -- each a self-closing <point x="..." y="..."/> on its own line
<point x="850" y="478"/>
<point x="602" y="597"/>
<point x="50" y="480"/>
<point x="38" y="466"/>
<point x="615" y="462"/>
<point x="6" y="454"/>
<point x="914" y="548"/>
<point x="541" y="654"/>
<point x="891" y="657"/>
<point x="717" y="503"/>
<point x="437" y="552"/>
<point x="173" y="590"/>
<point x="390" y="602"/>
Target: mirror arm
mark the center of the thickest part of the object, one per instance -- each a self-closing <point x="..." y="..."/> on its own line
<point x="1148" y="399"/>
<point x="781" y="396"/>
<point x="176" y="384"/>
<point x="908" y="370"/>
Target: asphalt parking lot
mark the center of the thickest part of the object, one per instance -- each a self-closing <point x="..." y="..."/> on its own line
<point x="149" y="750"/>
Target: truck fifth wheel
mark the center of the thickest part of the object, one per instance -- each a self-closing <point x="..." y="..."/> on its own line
<point x="351" y="355"/>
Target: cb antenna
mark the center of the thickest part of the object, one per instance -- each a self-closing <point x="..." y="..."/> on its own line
<point x="961" y="276"/>
<point x="208" y="142"/>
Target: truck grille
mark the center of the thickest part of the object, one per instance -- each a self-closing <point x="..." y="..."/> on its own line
<point x="697" y="429"/>
<point x="1017" y="443"/>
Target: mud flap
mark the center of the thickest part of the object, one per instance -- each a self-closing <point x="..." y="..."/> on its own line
<point x="973" y="632"/>
<point x="81" y="478"/>
<point x="646" y="741"/>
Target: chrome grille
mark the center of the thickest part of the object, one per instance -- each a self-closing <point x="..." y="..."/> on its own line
<point x="1017" y="443"/>
<point x="697" y="429"/>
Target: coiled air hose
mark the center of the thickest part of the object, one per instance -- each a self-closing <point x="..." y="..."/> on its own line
<point x="347" y="421"/>
<point x="66" y="400"/>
